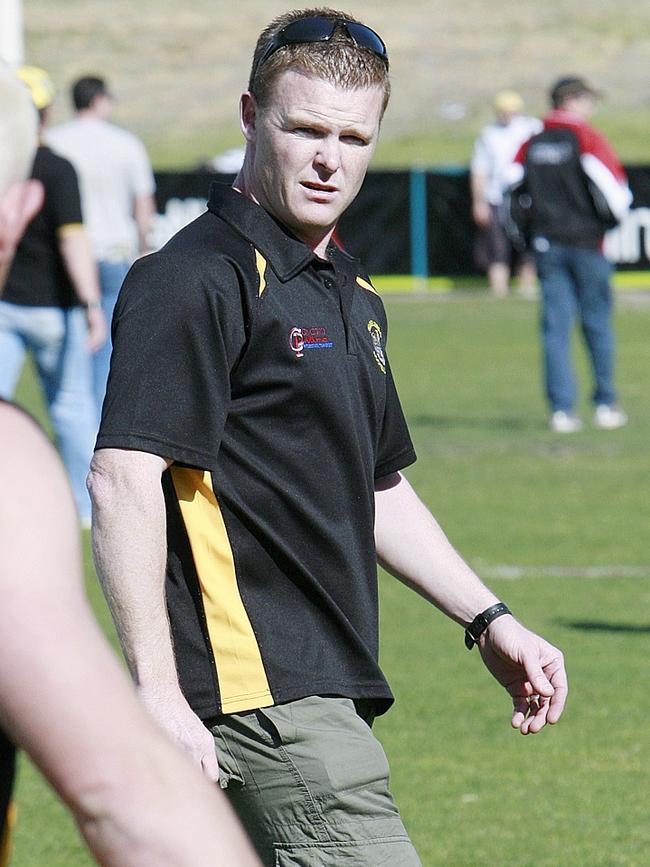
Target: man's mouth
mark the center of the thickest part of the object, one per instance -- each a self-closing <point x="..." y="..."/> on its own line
<point x="327" y="189"/>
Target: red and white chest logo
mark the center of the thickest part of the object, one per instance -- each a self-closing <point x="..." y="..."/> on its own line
<point x="296" y="342"/>
<point x="312" y="337"/>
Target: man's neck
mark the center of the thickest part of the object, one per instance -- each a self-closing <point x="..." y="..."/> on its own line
<point x="87" y="114"/>
<point x="318" y="244"/>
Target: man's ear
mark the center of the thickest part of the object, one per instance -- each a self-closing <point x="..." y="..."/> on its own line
<point x="248" y="116"/>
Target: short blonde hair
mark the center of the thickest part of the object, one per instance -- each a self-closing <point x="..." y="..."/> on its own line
<point x="18" y="129"/>
<point x="339" y="60"/>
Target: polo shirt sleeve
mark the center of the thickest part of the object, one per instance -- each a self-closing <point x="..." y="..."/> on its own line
<point x="395" y="449"/>
<point x="63" y="197"/>
<point x="178" y="330"/>
<point x="142" y="178"/>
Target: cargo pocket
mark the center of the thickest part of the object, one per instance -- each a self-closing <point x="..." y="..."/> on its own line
<point x="230" y="774"/>
<point x="386" y="852"/>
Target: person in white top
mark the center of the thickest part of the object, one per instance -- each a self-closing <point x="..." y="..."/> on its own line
<point x="117" y="187"/>
<point x="494" y="152"/>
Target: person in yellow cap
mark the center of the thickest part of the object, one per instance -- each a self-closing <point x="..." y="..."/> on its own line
<point x="52" y="303"/>
<point x="494" y="151"/>
<point x="136" y="799"/>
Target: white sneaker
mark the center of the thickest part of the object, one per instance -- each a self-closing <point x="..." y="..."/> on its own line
<point x="609" y="417"/>
<point x="564" y="422"/>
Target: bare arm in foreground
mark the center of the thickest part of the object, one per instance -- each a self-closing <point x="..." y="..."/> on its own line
<point x="130" y="548"/>
<point x="65" y="699"/>
<point x="413" y="548"/>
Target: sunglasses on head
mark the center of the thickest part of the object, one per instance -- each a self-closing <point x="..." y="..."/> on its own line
<point x="320" y="29"/>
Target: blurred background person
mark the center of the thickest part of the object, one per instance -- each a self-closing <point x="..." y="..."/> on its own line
<point x="51" y="305"/>
<point x="117" y="187"/>
<point x="137" y="801"/>
<point x="493" y="154"/>
<point x="577" y="189"/>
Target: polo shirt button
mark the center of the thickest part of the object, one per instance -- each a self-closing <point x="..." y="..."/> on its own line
<point x="329" y="284"/>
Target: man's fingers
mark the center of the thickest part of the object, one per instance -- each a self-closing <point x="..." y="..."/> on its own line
<point x="210" y="766"/>
<point x="520" y="710"/>
<point x="540" y="684"/>
<point x="556" y="705"/>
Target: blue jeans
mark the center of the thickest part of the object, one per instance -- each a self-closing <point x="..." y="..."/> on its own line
<point x="111" y="277"/>
<point x="575" y="284"/>
<point x="57" y="339"/>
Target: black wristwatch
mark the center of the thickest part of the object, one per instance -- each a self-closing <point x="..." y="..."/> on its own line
<point x="481" y="622"/>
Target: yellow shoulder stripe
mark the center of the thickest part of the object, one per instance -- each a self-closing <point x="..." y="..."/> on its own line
<point x="69" y="229"/>
<point x="260" y="264"/>
<point x="365" y="285"/>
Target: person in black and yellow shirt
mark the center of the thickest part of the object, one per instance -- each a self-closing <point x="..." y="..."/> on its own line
<point x="248" y="477"/>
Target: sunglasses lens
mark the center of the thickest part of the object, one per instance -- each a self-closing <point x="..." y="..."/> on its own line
<point x="367" y="38"/>
<point x="314" y="29"/>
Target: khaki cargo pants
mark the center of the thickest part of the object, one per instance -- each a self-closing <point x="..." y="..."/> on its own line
<point x="309" y="782"/>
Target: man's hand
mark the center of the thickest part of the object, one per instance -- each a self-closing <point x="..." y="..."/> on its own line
<point x="531" y="670"/>
<point x="184" y="728"/>
<point x="482" y="214"/>
<point x="97" y="327"/>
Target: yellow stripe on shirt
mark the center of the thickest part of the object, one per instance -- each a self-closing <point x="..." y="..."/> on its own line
<point x="260" y="263"/>
<point x="69" y="229"/>
<point x="243" y="684"/>
<point x="365" y="285"/>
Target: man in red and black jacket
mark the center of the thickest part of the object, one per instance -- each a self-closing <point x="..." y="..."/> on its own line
<point x="577" y="190"/>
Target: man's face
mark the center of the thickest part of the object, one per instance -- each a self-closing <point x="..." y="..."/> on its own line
<point x="582" y="105"/>
<point x="309" y="150"/>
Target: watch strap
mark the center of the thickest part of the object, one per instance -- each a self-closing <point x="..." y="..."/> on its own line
<point x="481" y="622"/>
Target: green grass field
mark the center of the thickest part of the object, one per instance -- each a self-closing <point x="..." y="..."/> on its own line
<point x="567" y="520"/>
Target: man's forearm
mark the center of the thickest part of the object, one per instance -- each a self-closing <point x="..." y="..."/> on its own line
<point x="477" y="187"/>
<point x="144" y="209"/>
<point x="412" y="547"/>
<point x="129" y="546"/>
<point x="80" y="264"/>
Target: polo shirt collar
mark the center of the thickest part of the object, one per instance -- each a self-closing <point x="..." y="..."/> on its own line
<point x="286" y="254"/>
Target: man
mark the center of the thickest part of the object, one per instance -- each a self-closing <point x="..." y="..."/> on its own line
<point x="493" y="154"/>
<point x="117" y="188"/>
<point x="51" y="305"/>
<point x="252" y="456"/>
<point x="576" y="189"/>
<point x="63" y="696"/>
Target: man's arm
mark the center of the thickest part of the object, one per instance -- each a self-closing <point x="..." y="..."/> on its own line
<point x="144" y="207"/>
<point x="481" y="211"/>
<point x="130" y="549"/>
<point x="413" y="548"/>
<point x="77" y="254"/>
<point x="64" y="698"/>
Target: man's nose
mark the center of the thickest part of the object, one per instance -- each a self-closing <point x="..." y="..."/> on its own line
<point x="328" y="156"/>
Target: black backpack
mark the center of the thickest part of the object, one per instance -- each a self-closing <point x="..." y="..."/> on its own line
<point x="519" y="202"/>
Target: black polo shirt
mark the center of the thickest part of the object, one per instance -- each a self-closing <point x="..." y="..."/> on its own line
<point x="38" y="275"/>
<point x="261" y="371"/>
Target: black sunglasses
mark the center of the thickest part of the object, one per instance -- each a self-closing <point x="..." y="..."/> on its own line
<point x="320" y="29"/>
